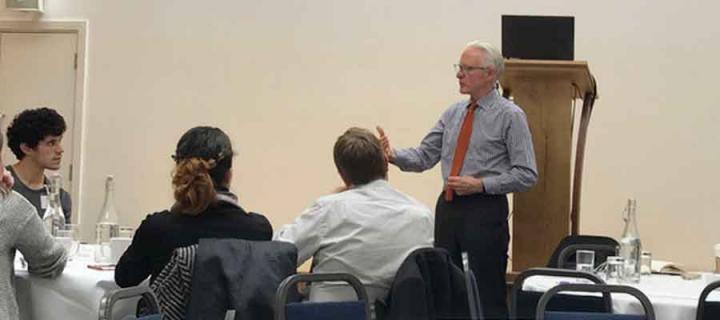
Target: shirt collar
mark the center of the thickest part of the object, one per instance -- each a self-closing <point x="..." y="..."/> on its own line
<point x="373" y="184"/>
<point x="222" y="195"/>
<point x="487" y="100"/>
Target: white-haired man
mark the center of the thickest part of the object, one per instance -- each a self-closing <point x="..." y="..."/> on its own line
<point x="485" y="150"/>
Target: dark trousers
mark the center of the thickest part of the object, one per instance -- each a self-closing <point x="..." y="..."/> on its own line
<point x="477" y="224"/>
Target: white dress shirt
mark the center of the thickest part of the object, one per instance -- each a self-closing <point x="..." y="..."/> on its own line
<point x="366" y="231"/>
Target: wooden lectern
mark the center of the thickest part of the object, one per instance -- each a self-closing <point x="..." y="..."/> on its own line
<point x="546" y="90"/>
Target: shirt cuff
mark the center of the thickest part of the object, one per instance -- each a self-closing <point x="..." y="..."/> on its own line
<point x="490" y="185"/>
<point x="400" y="158"/>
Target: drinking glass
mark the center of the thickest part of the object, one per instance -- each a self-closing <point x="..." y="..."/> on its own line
<point x="615" y="269"/>
<point x="585" y="260"/>
<point x="631" y="274"/>
<point x="69" y="237"/>
<point x="645" y="263"/>
<point x="118" y="246"/>
<point x="717" y="258"/>
<point x="126" y="232"/>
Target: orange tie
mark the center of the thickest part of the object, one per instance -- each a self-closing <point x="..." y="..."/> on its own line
<point x="461" y="148"/>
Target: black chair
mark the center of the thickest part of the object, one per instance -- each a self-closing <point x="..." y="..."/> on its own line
<point x="239" y="275"/>
<point x="523" y="304"/>
<point x="428" y="285"/>
<point x="708" y="310"/>
<point x="543" y="314"/>
<point x="209" y="279"/>
<point x="111" y="299"/>
<point x="347" y="310"/>
<point x="564" y="255"/>
<point x="474" y="305"/>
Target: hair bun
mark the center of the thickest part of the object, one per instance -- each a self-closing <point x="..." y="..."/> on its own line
<point x="193" y="187"/>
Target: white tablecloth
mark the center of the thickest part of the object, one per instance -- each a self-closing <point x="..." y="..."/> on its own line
<point x="672" y="297"/>
<point x="75" y="294"/>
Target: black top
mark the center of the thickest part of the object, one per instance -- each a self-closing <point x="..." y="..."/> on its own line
<point x="162" y="232"/>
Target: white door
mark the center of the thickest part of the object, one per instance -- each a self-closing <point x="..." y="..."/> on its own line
<point x="39" y="70"/>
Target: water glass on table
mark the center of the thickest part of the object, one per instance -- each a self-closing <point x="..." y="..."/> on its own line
<point x="585" y="260"/>
<point x="717" y="258"/>
<point x="69" y="237"/>
<point x="645" y="263"/>
<point x="615" y="269"/>
<point x="118" y="245"/>
<point x="126" y="232"/>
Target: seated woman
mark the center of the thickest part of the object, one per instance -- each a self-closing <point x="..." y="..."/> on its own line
<point x="204" y="208"/>
<point x="22" y="229"/>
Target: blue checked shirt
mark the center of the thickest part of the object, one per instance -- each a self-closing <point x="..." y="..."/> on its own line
<point x="500" y="150"/>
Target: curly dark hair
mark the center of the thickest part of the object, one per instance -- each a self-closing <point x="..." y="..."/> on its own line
<point x="32" y="126"/>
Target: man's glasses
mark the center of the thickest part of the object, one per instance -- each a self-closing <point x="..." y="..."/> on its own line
<point x="467" y="69"/>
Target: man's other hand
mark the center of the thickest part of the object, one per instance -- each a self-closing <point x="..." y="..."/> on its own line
<point x="465" y="185"/>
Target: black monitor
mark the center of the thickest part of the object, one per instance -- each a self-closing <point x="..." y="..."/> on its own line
<point x="538" y="37"/>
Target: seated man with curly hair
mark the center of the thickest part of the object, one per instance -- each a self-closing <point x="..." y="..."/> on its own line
<point x="35" y="137"/>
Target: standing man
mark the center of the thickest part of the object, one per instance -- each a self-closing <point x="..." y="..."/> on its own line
<point x="35" y="137"/>
<point x="485" y="149"/>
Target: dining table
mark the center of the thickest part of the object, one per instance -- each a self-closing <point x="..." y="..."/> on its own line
<point x="672" y="296"/>
<point x="74" y="294"/>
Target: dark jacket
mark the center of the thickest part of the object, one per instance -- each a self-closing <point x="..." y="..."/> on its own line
<point x="428" y="286"/>
<point x="161" y="233"/>
<point x="240" y="275"/>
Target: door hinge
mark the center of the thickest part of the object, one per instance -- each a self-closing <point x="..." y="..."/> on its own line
<point x="75" y="61"/>
<point x="70" y="171"/>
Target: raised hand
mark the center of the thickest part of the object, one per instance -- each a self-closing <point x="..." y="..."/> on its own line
<point x="385" y="142"/>
<point x="6" y="181"/>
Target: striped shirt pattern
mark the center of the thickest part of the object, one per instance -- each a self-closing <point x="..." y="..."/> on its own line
<point x="172" y="285"/>
<point x="500" y="152"/>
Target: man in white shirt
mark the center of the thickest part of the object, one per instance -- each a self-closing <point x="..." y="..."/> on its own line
<point x="365" y="230"/>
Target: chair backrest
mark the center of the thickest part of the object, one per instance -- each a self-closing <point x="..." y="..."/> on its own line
<point x="603" y="247"/>
<point x="707" y="310"/>
<point x="347" y="310"/>
<point x="111" y="298"/>
<point x="543" y="314"/>
<point x="523" y="304"/>
<point x="473" y="293"/>
<point x="239" y="275"/>
<point x="428" y="285"/>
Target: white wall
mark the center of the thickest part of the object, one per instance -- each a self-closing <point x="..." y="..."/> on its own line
<point x="285" y="78"/>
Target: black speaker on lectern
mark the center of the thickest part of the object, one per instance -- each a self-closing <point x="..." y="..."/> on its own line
<point x="538" y="37"/>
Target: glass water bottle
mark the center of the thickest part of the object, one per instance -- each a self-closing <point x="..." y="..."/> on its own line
<point x="54" y="217"/>
<point x="630" y="245"/>
<point x="107" y="226"/>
